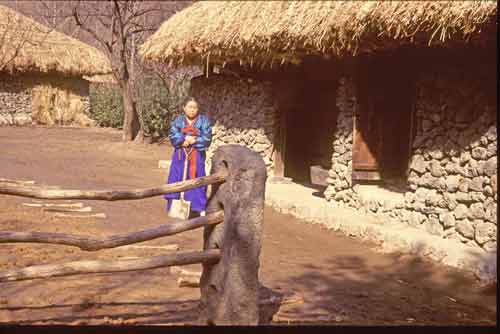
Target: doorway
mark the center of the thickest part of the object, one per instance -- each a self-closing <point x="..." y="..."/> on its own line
<point x="310" y="126"/>
<point x="383" y="121"/>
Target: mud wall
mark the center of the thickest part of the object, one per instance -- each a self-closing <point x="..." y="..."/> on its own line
<point x="242" y="111"/>
<point x="15" y="101"/>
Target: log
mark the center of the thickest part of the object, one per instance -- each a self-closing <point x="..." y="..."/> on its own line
<point x="109" y="195"/>
<point x="62" y="205"/>
<point x="90" y="243"/>
<point x="96" y="215"/>
<point x="16" y="181"/>
<point x="173" y="247"/>
<point x="94" y="267"/>
<point x="188" y="282"/>
<point x="184" y="272"/>
<point x="58" y="209"/>
<point x="290" y="299"/>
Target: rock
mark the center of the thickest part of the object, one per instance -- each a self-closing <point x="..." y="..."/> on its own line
<point x="490" y="167"/>
<point x="477" y="183"/>
<point x="463" y="185"/>
<point x="452" y="182"/>
<point x="436" y="154"/>
<point x="261" y="139"/>
<point x="433" y="226"/>
<point x="448" y="219"/>
<point x="453" y="168"/>
<point x="491" y="211"/>
<point x="484" y="232"/>
<point x="464" y="158"/>
<point x="490" y="246"/>
<point x="418" y="164"/>
<point x="426" y="125"/>
<point x="479" y="153"/>
<point x="415" y="218"/>
<point x="450" y="200"/>
<point x="491" y="150"/>
<point x="476" y="211"/>
<point x="436" y="169"/>
<point x="491" y="134"/>
<point x="465" y="228"/>
<point x="432" y="198"/>
<point x="461" y="211"/>
<point x="462" y="197"/>
<point x="477" y="196"/>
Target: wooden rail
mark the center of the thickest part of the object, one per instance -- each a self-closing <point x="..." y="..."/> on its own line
<point x="89" y="243"/>
<point x="93" y="267"/>
<point x="45" y="192"/>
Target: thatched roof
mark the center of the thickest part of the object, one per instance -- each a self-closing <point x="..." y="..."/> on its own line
<point x="29" y="46"/>
<point x="277" y="31"/>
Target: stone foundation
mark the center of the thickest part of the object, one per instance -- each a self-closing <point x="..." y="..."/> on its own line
<point x="242" y="111"/>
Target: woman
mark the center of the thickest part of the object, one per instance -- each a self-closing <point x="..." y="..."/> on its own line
<point x="190" y="133"/>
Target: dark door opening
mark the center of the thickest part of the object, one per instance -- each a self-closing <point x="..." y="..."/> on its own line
<point x="383" y="121"/>
<point x="310" y="127"/>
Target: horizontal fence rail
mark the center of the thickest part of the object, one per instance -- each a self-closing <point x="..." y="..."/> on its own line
<point x="94" y="267"/>
<point x="89" y="243"/>
<point x="50" y="192"/>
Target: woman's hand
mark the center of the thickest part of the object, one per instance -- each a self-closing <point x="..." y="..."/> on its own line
<point x="191" y="140"/>
<point x="185" y="143"/>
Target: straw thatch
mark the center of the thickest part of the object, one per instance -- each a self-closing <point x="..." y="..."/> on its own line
<point x="262" y="32"/>
<point x="40" y="49"/>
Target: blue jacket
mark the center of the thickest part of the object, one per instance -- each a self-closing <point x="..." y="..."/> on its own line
<point x="203" y="125"/>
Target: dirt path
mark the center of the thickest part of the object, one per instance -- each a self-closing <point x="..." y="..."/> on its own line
<point x="341" y="279"/>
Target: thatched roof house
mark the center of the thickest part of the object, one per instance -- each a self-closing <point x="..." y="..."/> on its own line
<point x="390" y="106"/>
<point x="41" y="72"/>
<point x="276" y="31"/>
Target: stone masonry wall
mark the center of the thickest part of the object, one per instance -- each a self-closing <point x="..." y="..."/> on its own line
<point x="15" y="101"/>
<point x="453" y="168"/>
<point x="452" y="182"/>
<point x="340" y="180"/>
<point x="242" y="111"/>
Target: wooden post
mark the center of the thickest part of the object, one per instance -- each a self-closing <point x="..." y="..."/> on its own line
<point x="229" y="288"/>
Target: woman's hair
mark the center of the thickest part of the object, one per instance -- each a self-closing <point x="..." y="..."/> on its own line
<point x="189" y="99"/>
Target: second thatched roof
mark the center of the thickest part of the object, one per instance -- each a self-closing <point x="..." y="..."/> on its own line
<point x="279" y="31"/>
<point x="29" y="46"/>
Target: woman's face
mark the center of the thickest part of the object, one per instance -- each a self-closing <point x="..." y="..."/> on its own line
<point x="191" y="109"/>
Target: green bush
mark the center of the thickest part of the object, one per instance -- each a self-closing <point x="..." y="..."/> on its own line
<point x="106" y="106"/>
<point x="157" y="105"/>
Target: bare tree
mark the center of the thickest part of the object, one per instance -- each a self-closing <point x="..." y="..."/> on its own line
<point x="119" y="27"/>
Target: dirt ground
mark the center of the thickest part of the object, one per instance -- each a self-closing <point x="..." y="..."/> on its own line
<point x="342" y="281"/>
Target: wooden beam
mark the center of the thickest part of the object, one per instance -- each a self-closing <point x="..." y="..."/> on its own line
<point x="94" y="267"/>
<point x="109" y="195"/>
<point x="90" y="243"/>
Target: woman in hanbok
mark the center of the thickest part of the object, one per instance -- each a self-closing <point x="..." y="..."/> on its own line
<point x="190" y="133"/>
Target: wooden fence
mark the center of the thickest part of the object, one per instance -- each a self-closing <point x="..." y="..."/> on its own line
<point x="232" y="236"/>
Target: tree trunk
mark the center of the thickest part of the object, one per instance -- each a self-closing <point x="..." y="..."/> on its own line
<point x="131" y="124"/>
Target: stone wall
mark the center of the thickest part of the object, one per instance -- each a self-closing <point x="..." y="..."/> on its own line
<point x="15" y="101"/>
<point x="242" y="111"/>
<point x="340" y="180"/>
<point x="452" y="182"/>
<point x="44" y="99"/>
<point x="454" y="163"/>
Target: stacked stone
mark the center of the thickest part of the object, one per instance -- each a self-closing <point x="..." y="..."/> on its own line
<point x="340" y="175"/>
<point x="452" y="174"/>
<point x="15" y="101"/>
<point x="242" y="111"/>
